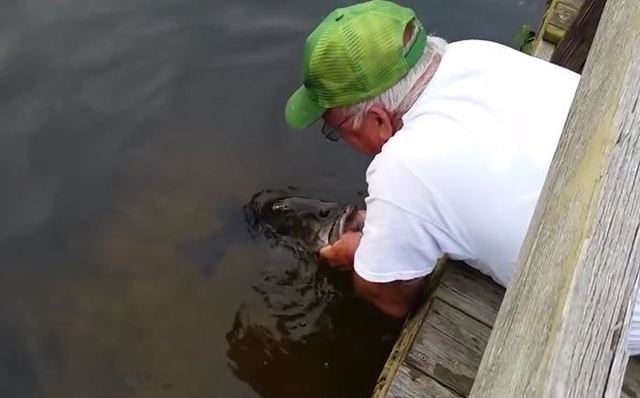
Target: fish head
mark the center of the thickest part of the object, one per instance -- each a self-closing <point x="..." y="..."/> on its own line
<point x="307" y="223"/>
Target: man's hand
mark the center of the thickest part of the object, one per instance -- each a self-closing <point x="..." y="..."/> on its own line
<point x="342" y="252"/>
<point x="355" y="222"/>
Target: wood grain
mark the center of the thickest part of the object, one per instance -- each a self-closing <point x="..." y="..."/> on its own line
<point x="563" y="16"/>
<point x="459" y="326"/>
<point x="543" y="50"/>
<point x="562" y="327"/>
<point x="573" y="49"/>
<point x="472" y="292"/>
<point x="575" y="4"/>
<point x="409" y="382"/>
<point x="449" y="347"/>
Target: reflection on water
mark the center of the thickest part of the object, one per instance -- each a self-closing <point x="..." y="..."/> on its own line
<point x="304" y="332"/>
<point x="300" y="323"/>
<point x="133" y="132"/>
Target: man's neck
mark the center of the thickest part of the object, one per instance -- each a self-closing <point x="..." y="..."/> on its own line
<point x="415" y="91"/>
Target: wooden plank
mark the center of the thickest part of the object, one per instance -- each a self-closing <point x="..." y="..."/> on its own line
<point x="449" y="347"/>
<point x="407" y="335"/>
<point x="543" y="50"/>
<point x="559" y="18"/>
<point x="472" y="292"/>
<point x="456" y="324"/>
<point x="412" y="383"/>
<point x="543" y="23"/>
<point x="572" y="50"/>
<point x="563" y="16"/>
<point x="562" y="326"/>
<point x="631" y="385"/>
<point x="553" y="34"/>
<point x="448" y="361"/>
<point x="575" y="4"/>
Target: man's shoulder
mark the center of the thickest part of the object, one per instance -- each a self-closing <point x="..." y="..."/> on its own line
<point x="481" y="49"/>
<point x="478" y="44"/>
<point x="513" y="61"/>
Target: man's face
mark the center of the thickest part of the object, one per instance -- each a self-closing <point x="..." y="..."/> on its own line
<point x="376" y="128"/>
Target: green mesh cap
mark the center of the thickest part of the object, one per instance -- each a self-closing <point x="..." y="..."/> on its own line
<point x="354" y="54"/>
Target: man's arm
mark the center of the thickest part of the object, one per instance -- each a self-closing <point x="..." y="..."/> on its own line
<point x="395" y="298"/>
<point x="395" y="253"/>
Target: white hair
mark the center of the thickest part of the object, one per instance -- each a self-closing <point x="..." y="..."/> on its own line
<point x="391" y="98"/>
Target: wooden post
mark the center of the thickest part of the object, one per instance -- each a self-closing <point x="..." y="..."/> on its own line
<point x="562" y="327"/>
<point x="573" y="49"/>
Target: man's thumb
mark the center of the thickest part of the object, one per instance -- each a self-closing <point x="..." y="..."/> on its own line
<point x="325" y="251"/>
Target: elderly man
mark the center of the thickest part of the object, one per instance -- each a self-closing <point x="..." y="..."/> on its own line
<point x="463" y="134"/>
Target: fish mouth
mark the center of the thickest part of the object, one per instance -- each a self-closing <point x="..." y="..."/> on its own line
<point x="337" y="229"/>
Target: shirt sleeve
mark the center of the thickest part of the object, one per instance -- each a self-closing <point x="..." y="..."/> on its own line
<point x="396" y="245"/>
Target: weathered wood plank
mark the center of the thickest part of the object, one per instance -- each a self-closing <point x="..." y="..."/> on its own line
<point x="449" y="347"/>
<point x="575" y="4"/>
<point x="470" y="291"/>
<point x="543" y="50"/>
<point x="572" y="50"/>
<point x="409" y="382"/>
<point x="563" y="16"/>
<point x="558" y="20"/>
<point x="543" y="23"/>
<point x="631" y="385"/>
<point x="553" y="34"/>
<point x="562" y="327"/>
<point x="458" y="325"/>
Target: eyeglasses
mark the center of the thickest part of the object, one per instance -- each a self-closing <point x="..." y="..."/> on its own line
<point x="333" y="133"/>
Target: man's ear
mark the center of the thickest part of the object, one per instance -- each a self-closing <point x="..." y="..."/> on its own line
<point x="380" y="119"/>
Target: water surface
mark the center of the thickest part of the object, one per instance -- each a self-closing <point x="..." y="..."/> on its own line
<point x="132" y="133"/>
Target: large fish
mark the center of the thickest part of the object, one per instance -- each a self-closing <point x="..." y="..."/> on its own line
<point x="301" y="223"/>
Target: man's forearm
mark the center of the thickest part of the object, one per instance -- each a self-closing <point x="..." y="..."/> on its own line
<point x="395" y="298"/>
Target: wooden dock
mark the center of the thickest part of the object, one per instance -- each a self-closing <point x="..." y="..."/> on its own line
<point x="558" y="17"/>
<point x="441" y="345"/>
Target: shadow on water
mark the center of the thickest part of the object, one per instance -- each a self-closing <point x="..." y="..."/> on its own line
<point x="302" y="324"/>
<point x="306" y="330"/>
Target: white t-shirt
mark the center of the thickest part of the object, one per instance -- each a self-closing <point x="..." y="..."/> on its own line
<point x="463" y="175"/>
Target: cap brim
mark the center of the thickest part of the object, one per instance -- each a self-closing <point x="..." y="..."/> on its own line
<point x="301" y="111"/>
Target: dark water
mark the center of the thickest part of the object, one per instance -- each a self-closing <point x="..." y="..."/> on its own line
<point x="131" y="134"/>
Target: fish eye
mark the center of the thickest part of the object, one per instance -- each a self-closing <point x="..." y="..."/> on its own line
<point x="323" y="213"/>
<point x="279" y="206"/>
